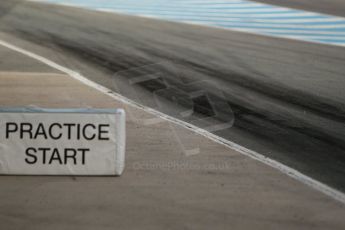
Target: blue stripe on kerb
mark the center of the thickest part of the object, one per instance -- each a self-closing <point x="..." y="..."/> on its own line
<point x="232" y="14"/>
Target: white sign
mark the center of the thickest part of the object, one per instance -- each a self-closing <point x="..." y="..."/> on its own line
<point x="62" y="142"/>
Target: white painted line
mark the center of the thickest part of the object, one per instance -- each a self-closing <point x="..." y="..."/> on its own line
<point x="325" y="189"/>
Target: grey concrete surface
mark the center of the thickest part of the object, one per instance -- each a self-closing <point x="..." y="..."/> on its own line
<point x="20" y="63"/>
<point x="286" y="97"/>
<point x="333" y="7"/>
<point x="161" y="188"/>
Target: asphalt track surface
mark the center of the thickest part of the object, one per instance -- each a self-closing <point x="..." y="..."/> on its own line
<point x="161" y="188"/>
<point x="281" y="98"/>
